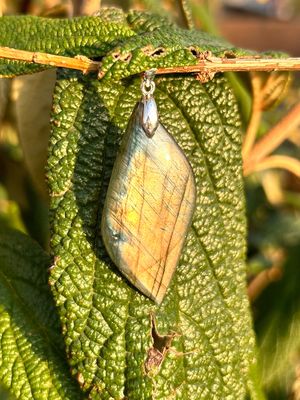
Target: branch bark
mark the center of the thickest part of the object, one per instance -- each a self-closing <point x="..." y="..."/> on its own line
<point x="80" y="63"/>
<point x="217" y="64"/>
<point x="210" y="65"/>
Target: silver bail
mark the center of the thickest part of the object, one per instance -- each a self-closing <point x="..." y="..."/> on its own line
<point x="149" y="116"/>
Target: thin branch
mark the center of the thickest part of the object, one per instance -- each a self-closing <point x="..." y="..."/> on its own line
<point x="262" y="280"/>
<point x="210" y="65"/>
<point x="277" y="161"/>
<point x="81" y="63"/>
<point x="252" y="129"/>
<point x="273" y="139"/>
<point x="217" y="64"/>
<point x="256" y="114"/>
<point x="265" y="91"/>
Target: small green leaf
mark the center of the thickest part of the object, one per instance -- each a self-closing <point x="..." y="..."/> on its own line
<point x="32" y="363"/>
<point x="106" y="322"/>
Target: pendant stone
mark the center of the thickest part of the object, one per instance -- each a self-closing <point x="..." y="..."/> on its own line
<point x="148" y="207"/>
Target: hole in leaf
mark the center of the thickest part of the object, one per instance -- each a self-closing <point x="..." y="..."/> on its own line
<point x="149" y="51"/>
<point x="116" y="55"/>
<point x="194" y="51"/>
<point x="229" y="54"/>
<point x="123" y="57"/>
<point x="158" y="52"/>
<point x="157" y="353"/>
<point x="126" y="57"/>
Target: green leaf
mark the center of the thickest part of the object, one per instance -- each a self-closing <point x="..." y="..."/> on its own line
<point x="150" y="42"/>
<point x="32" y="364"/>
<point x="86" y="36"/>
<point x="107" y="323"/>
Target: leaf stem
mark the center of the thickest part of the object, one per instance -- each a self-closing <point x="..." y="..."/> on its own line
<point x="252" y="129"/>
<point x="262" y="280"/>
<point x="272" y="140"/>
<point x="277" y="161"/>
<point x="255" y="118"/>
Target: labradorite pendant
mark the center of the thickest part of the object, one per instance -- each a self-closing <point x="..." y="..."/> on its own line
<point x="149" y="202"/>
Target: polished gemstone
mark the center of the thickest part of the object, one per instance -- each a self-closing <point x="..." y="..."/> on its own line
<point x="148" y="207"/>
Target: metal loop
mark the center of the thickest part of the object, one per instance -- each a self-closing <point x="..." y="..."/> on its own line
<point x="147" y="88"/>
<point x="150" y="74"/>
<point x="148" y="85"/>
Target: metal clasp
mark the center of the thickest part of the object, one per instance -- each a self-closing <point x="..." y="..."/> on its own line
<point x="149" y="113"/>
<point x="148" y="85"/>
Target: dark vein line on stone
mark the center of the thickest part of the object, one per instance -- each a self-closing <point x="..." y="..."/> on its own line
<point x="163" y="267"/>
<point x="208" y="173"/>
<point x="172" y="234"/>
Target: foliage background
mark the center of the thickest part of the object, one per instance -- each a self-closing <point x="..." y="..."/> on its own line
<point x="273" y="196"/>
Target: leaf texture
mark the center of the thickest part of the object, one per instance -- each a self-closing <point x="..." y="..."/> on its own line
<point x="86" y="36"/>
<point x="202" y="331"/>
<point x="152" y="40"/>
<point x="32" y="363"/>
<point x="107" y="323"/>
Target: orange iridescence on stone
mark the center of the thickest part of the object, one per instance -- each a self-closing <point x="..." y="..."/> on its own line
<point x="148" y="208"/>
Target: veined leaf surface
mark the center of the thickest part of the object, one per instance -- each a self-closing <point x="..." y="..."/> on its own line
<point x="107" y="323"/>
<point x="32" y="362"/>
<point x="111" y="331"/>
